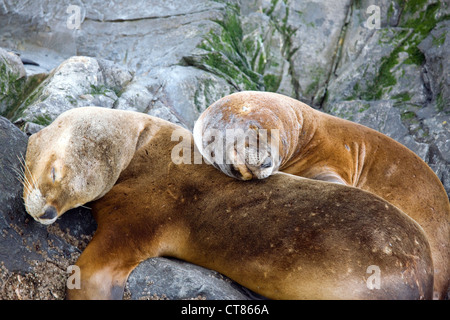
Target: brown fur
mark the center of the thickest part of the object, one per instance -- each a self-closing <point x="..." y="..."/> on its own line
<point x="320" y="146"/>
<point x="285" y="237"/>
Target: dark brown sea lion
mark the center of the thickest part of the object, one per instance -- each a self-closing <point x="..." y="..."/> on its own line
<point x="316" y="145"/>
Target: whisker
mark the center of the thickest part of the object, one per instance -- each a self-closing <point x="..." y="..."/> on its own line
<point x="24" y="164"/>
<point x="19" y="176"/>
<point x="85" y="207"/>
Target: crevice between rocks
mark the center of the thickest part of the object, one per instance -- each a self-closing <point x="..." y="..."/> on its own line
<point x="146" y="18"/>
<point x="336" y="56"/>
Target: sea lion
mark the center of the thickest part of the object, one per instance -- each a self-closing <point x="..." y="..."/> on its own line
<point x="316" y="145"/>
<point x="285" y="237"/>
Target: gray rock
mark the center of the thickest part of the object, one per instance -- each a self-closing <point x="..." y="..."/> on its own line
<point x="318" y="31"/>
<point x="177" y="94"/>
<point x="165" y="278"/>
<point x="13" y="143"/>
<point x="77" y="82"/>
<point x="436" y="48"/>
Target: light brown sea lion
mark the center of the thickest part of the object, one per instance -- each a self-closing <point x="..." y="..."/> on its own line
<point x="285" y="237"/>
<point x="316" y="145"/>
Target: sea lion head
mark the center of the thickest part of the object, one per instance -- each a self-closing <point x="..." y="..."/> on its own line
<point x="75" y="160"/>
<point x="244" y="135"/>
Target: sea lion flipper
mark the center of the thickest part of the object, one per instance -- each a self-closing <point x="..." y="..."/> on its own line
<point x="102" y="276"/>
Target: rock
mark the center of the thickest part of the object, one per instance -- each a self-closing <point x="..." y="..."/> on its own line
<point x="177" y="94"/>
<point x="14" y="143"/>
<point x="164" y="278"/>
<point x="77" y="82"/>
<point x="436" y="47"/>
<point x="313" y="61"/>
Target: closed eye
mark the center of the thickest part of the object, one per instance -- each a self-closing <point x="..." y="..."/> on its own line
<point x="53" y="174"/>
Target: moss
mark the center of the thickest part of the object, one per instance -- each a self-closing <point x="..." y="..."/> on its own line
<point x="72" y="100"/>
<point x="440" y="103"/>
<point x="269" y="11"/>
<point x="12" y="87"/>
<point x="414" y="5"/>
<point x="390" y="11"/>
<point x="403" y="97"/>
<point x="365" y="107"/>
<point x="228" y="54"/>
<point x="33" y="90"/>
<point x="385" y="77"/>
<point x="34" y="94"/>
<point x="43" y="120"/>
<point x="422" y="26"/>
<point x="408" y="115"/>
<point x="101" y="89"/>
<point x="246" y="62"/>
<point x="272" y="82"/>
<point x="439" y="41"/>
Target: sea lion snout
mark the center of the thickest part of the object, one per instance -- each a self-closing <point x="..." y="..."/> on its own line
<point x="37" y="206"/>
<point x="50" y="215"/>
<point x="250" y="163"/>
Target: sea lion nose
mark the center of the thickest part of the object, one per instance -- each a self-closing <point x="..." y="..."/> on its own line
<point x="49" y="214"/>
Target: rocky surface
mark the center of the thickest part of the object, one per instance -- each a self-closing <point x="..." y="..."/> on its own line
<point x="172" y="59"/>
